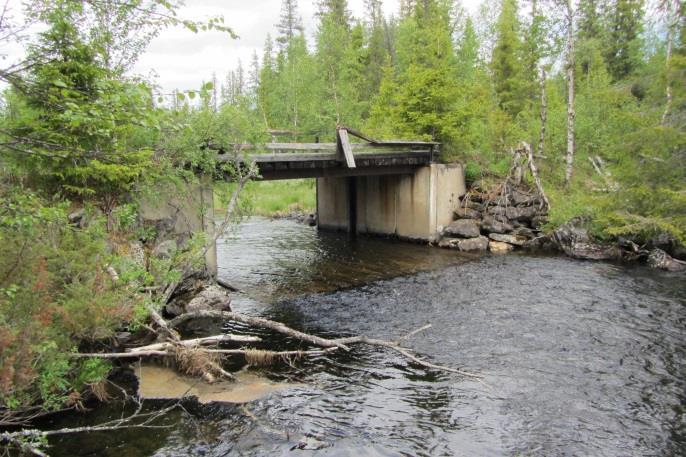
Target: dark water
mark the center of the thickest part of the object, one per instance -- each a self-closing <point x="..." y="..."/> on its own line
<point x="577" y="358"/>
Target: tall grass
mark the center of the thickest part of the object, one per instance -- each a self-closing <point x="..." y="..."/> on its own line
<point x="271" y="198"/>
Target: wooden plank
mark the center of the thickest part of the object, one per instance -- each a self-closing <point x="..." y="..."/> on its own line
<point x="346" y="148"/>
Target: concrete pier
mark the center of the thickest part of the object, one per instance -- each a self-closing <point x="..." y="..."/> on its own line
<point x="412" y="206"/>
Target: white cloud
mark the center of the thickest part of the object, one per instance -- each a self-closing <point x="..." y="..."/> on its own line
<point x="183" y="60"/>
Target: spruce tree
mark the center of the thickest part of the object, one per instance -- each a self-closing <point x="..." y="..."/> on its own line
<point x="623" y="53"/>
<point x="290" y="23"/>
<point x="506" y="62"/>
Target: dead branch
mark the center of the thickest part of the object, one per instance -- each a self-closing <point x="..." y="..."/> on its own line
<point x="534" y="173"/>
<point x="261" y="323"/>
<point x="340" y="343"/>
<point x="196" y="342"/>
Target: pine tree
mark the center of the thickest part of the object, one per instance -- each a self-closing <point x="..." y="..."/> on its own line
<point x="623" y="53"/>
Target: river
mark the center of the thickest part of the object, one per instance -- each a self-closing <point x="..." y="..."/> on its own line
<point x="577" y="358"/>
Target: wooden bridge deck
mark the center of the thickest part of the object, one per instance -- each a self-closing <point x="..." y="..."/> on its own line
<point x="316" y="160"/>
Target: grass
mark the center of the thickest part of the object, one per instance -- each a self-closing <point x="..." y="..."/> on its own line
<point x="272" y="198"/>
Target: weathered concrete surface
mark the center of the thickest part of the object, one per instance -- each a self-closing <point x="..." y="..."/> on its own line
<point x="185" y="210"/>
<point x="409" y="205"/>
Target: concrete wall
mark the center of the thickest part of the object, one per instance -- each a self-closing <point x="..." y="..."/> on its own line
<point x="410" y="206"/>
<point x="185" y="210"/>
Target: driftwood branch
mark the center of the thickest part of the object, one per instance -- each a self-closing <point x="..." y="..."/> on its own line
<point x="261" y="323"/>
<point x="170" y="348"/>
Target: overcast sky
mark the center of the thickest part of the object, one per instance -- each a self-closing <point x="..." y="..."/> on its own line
<point x="183" y="60"/>
<point x="180" y="59"/>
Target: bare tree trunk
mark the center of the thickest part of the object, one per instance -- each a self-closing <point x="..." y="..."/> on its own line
<point x="570" y="94"/>
<point x="544" y="114"/>
<point x="672" y="7"/>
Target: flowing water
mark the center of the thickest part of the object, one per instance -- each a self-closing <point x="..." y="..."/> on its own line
<point x="577" y="358"/>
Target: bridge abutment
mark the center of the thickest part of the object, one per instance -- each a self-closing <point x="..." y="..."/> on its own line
<point x="411" y="206"/>
<point x="178" y="211"/>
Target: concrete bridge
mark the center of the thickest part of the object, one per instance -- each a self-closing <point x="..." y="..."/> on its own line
<point x="391" y="188"/>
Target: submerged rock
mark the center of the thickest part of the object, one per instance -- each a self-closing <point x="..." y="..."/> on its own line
<point x="499" y="247"/>
<point x="479" y="243"/>
<point x="660" y="259"/>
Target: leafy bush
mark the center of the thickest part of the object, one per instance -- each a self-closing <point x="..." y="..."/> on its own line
<point x="55" y="291"/>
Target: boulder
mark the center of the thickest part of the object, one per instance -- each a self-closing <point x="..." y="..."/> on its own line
<point x="497" y="210"/>
<point x="524" y="232"/>
<point x="520" y="213"/>
<point x="165" y="249"/>
<point x="76" y="216"/>
<point x="538" y="221"/>
<point x="464" y="228"/>
<point x="479" y="243"/>
<point x="660" y="259"/>
<point x="510" y="239"/>
<point x="471" y="204"/>
<point x="499" y="247"/>
<point x="491" y="225"/>
<point x="467" y="213"/>
<point x="573" y="239"/>
<point x="211" y="298"/>
<point x="521" y="198"/>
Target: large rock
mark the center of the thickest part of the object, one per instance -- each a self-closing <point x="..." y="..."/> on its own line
<point x="211" y="298"/>
<point x="165" y="249"/>
<point x="499" y="247"/>
<point x="521" y="198"/>
<point x="497" y="210"/>
<point x="479" y="243"/>
<point x="467" y="213"/>
<point x="510" y="239"/>
<point x="491" y="225"/>
<point x="520" y="213"/>
<point x="538" y="221"/>
<point x="471" y="204"/>
<point x="573" y="239"/>
<point x="524" y="232"/>
<point x="464" y="228"/>
<point x="660" y="259"/>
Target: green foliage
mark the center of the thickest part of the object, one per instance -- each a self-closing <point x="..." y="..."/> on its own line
<point x="55" y="291"/>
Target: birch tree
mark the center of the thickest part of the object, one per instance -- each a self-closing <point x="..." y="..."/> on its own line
<point x="569" y="169"/>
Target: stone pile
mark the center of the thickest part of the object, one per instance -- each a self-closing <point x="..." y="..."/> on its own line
<point x="499" y="221"/>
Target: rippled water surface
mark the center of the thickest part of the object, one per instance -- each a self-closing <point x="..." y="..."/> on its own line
<point x="577" y="358"/>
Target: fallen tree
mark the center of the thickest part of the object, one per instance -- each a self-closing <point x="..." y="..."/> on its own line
<point x="197" y="348"/>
